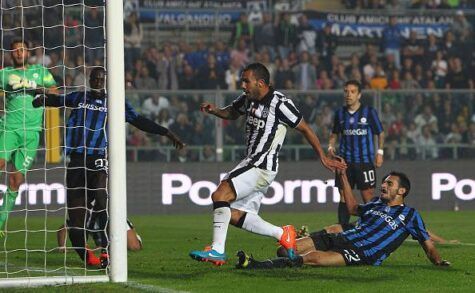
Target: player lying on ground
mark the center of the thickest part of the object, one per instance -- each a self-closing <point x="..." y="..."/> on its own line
<point x="238" y="197"/>
<point x="86" y="145"/>
<point x="21" y="125"/>
<point x="384" y="224"/>
<point x="134" y="241"/>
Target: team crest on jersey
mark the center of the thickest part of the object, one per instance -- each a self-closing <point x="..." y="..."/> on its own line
<point x="265" y="112"/>
<point x="352" y="120"/>
<point x="36" y="75"/>
<point x="99" y="101"/>
<point x="363" y="120"/>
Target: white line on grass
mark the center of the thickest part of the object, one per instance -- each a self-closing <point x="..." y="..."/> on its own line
<point x="152" y="288"/>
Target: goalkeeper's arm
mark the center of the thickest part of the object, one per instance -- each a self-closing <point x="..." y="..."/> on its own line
<point x="149" y="126"/>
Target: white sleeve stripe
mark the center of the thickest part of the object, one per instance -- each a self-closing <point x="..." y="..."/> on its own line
<point x="288" y="113"/>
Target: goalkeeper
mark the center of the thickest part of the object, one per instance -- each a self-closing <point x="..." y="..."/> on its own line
<point x="86" y="146"/>
<point x="22" y="124"/>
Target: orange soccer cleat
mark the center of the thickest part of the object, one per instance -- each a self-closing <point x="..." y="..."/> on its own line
<point x="287" y="240"/>
<point x="91" y="258"/>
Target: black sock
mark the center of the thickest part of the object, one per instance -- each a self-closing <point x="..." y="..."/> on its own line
<point x="343" y="214"/>
<point x="281" y="262"/>
<point x="77" y="240"/>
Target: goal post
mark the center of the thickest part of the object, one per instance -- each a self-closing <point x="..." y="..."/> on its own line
<point x="28" y="251"/>
<point x="117" y="158"/>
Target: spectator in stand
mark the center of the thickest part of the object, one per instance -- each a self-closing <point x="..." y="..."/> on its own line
<point x="440" y="69"/>
<point x="324" y="81"/>
<point x="241" y="54"/>
<point x="164" y="118"/>
<point x="327" y="44"/>
<point x="395" y="82"/>
<point x="167" y="69"/>
<point x="421" y="76"/>
<point x="369" y="69"/>
<point x="389" y="64"/>
<point x="143" y="80"/>
<point x="407" y="66"/>
<point x="209" y="154"/>
<point x="408" y="83"/>
<point x="197" y="58"/>
<point x="152" y="106"/>
<point x="458" y="78"/>
<point x="283" y="74"/>
<point x="413" y="48"/>
<point x="222" y="55"/>
<point x="243" y="30"/>
<point x="40" y="57"/>
<point x="460" y="24"/>
<point x="402" y="148"/>
<point x="354" y="64"/>
<point x="232" y="75"/>
<point x="379" y="81"/>
<point x="448" y="45"/>
<point x="94" y="34"/>
<point x="426" y="144"/>
<point x="286" y="35"/>
<point x="133" y="35"/>
<point x="444" y="4"/>
<point x="307" y="36"/>
<point x="265" y="36"/>
<point x="430" y="50"/>
<point x="426" y="118"/>
<point x="187" y="80"/>
<point x="392" y="39"/>
<point x="305" y="74"/>
<point x="340" y="76"/>
<point x="387" y="116"/>
<point x="182" y="127"/>
<point x="210" y="76"/>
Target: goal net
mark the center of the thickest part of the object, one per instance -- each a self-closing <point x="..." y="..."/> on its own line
<point x="65" y="39"/>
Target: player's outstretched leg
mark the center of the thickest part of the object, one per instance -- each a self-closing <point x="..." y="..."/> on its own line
<point x="246" y="261"/>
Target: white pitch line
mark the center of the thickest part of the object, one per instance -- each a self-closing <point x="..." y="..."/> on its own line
<point x="152" y="288"/>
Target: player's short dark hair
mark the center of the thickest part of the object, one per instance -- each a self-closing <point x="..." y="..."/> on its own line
<point x="18" y="41"/>
<point x="260" y="72"/>
<point x="355" y="83"/>
<point x="96" y="70"/>
<point x="404" y="181"/>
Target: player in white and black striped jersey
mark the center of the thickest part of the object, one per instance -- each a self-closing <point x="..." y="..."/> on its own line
<point x="237" y="199"/>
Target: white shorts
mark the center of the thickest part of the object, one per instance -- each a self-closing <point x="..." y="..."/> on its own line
<point x="250" y="184"/>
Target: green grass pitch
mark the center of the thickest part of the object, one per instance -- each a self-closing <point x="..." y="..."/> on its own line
<point x="164" y="265"/>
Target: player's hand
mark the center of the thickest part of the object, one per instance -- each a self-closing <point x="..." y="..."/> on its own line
<point x="38" y="101"/>
<point x="444" y="263"/>
<point x="176" y="141"/>
<point x="333" y="164"/>
<point x="207" y="108"/>
<point x="378" y="162"/>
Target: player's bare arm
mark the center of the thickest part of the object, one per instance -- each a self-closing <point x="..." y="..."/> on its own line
<point x="351" y="203"/>
<point x="433" y="254"/>
<point x="228" y="112"/>
<point x="313" y="140"/>
<point x="380" y="153"/>
<point x="332" y="144"/>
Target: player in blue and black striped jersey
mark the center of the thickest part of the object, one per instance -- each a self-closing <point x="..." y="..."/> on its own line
<point x="384" y="223"/>
<point x="86" y="146"/>
<point x="356" y="125"/>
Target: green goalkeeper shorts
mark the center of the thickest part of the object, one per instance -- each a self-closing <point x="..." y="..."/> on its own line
<point x="19" y="147"/>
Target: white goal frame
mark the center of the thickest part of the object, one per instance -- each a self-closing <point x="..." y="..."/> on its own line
<point x="117" y="163"/>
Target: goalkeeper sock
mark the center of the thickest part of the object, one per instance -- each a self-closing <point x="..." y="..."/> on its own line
<point x="255" y="224"/>
<point x="221" y="218"/>
<point x="343" y="214"/>
<point x="9" y="199"/>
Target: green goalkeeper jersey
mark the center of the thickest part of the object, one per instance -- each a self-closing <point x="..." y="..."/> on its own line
<point x="19" y="86"/>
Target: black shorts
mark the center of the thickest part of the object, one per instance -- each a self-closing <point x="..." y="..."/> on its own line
<point x="361" y="175"/>
<point x="337" y="243"/>
<point x="87" y="172"/>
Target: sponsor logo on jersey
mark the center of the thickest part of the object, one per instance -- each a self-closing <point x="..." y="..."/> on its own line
<point x="388" y="219"/>
<point x="256" y="122"/>
<point x="92" y="107"/>
<point x="358" y="132"/>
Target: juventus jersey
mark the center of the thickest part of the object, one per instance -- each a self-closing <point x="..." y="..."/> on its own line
<point x="266" y="125"/>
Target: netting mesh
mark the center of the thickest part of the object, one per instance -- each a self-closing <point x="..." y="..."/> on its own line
<point x="67" y="38"/>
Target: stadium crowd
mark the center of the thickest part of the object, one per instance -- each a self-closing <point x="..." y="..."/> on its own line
<point x="298" y="58"/>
